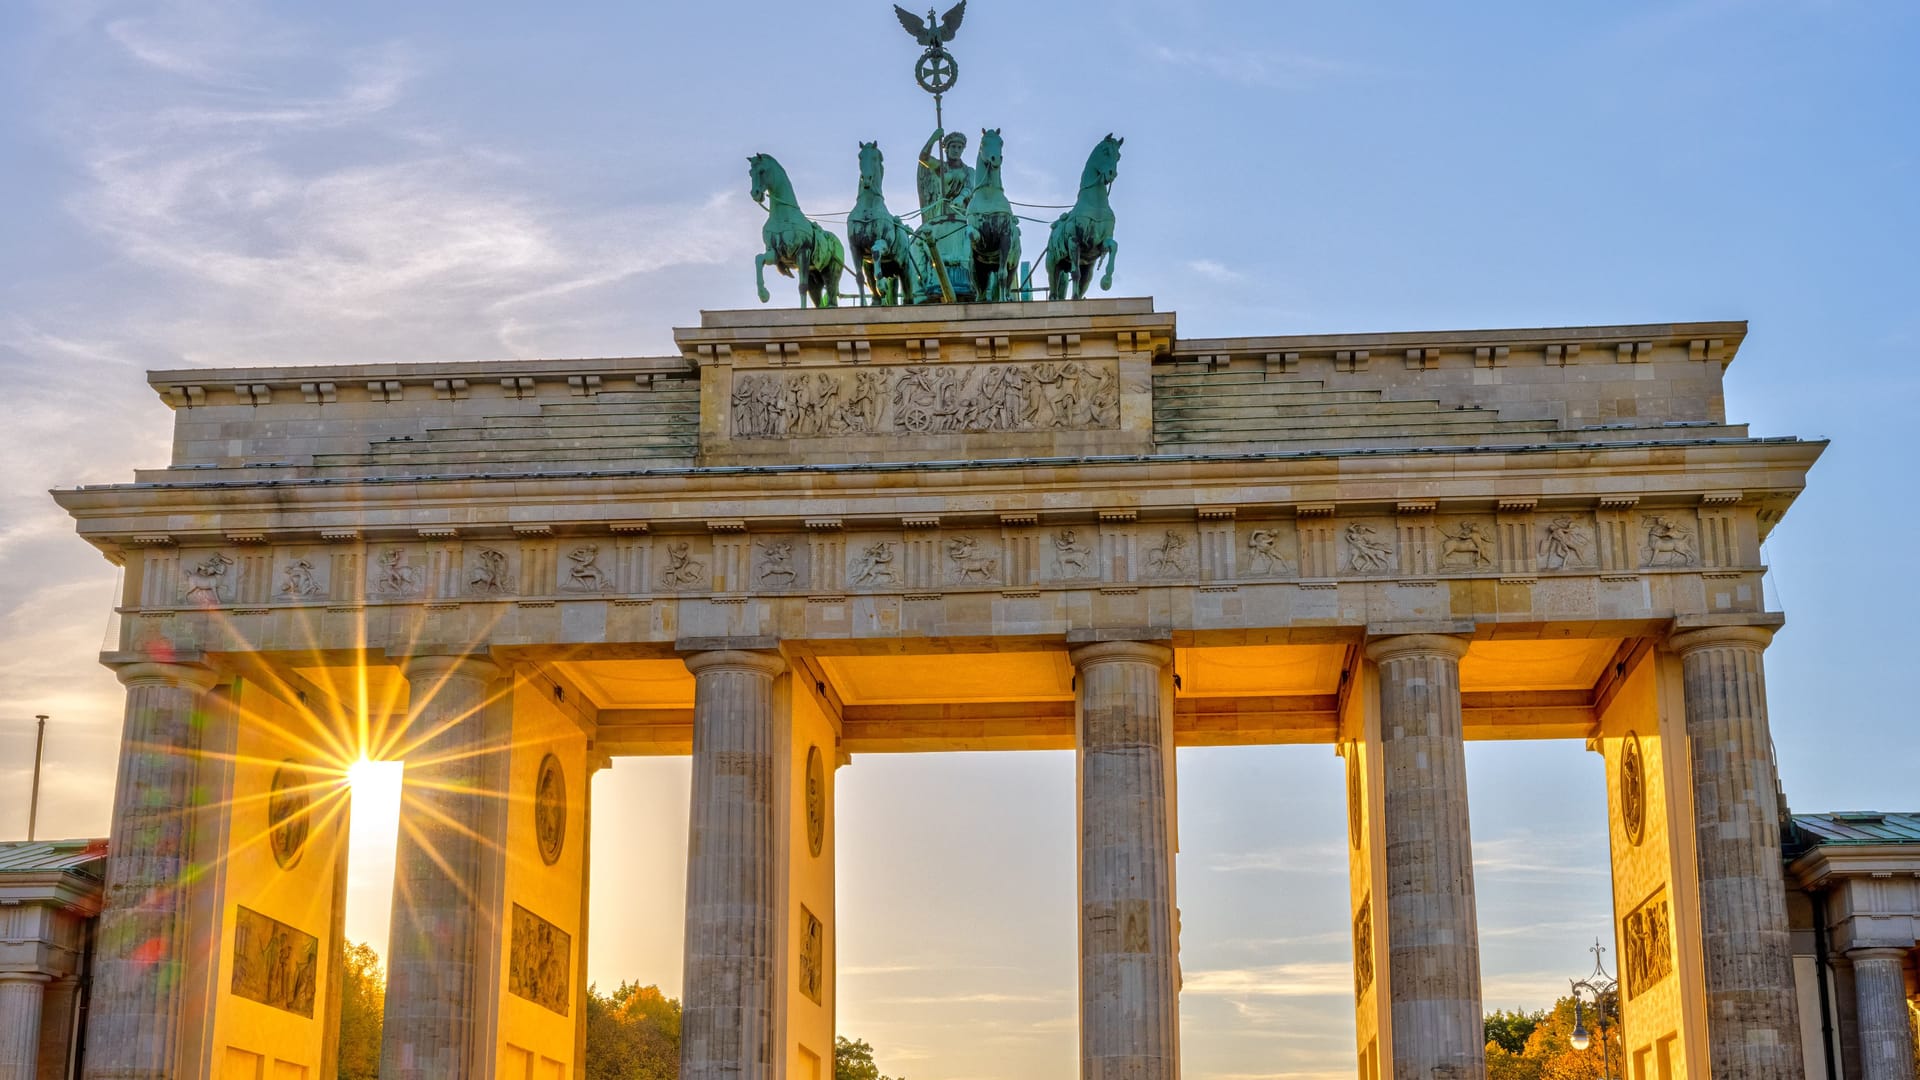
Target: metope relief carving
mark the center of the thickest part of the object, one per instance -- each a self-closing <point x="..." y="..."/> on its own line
<point x="682" y="571"/>
<point x="540" y="958"/>
<point x="813" y="954"/>
<point x="1648" y="940"/>
<point x="1263" y="554"/>
<point x="289" y="800"/>
<point x="394" y="576"/>
<point x="1633" y="789"/>
<point x="970" y="564"/>
<point x="490" y="573"/>
<point x="1367" y="551"/>
<point x="300" y="579"/>
<point x="1363" y="948"/>
<point x="1467" y="546"/>
<point x="874" y="565"/>
<point x="776" y="564"/>
<point x="210" y="582"/>
<point x="1669" y="543"/>
<point x="1564" y="545"/>
<point x="957" y="399"/>
<point x="273" y="963"/>
<point x="550" y="809"/>
<point x="583" y="572"/>
<point x="816" y="800"/>
<point x="1172" y="558"/>
<point x="1072" y="557"/>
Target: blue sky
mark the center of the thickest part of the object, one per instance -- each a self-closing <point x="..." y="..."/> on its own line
<point x="219" y="182"/>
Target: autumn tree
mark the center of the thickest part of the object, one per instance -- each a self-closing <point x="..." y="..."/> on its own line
<point x="853" y="1060"/>
<point x="1545" y="1051"/>
<point x="363" y="1001"/>
<point x="632" y="1034"/>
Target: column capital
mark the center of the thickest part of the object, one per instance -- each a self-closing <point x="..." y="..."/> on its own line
<point x="749" y="661"/>
<point x="438" y="665"/>
<point x="1877" y="952"/>
<point x="1398" y="646"/>
<point x="1106" y="652"/>
<point x="193" y="676"/>
<point x="1684" y="642"/>
<point x="40" y="977"/>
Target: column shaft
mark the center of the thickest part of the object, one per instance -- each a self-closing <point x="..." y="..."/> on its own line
<point x="1432" y="928"/>
<point x="20" y="999"/>
<point x="1129" y="964"/>
<point x="1886" y="1027"/>
<point x="440" y="940"/>
<point x="1753" y="1028"/>
<point x="140" y="962"/>
<point x="731" y="999"/>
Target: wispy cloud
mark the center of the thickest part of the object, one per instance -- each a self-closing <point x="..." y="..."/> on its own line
<point x="1274" y="980"/>
<point x="1252" y="67"/>
<point x="1214" y="270"/>
<point x="1326" y="858"/>
<point x="1533" y="857"/>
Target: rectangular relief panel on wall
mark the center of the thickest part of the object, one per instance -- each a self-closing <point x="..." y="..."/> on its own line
<point x="1647" y="937"/>
<point x="813" y="954"/>
<point x="274" y="964"/>
<point x="542" y="954"/>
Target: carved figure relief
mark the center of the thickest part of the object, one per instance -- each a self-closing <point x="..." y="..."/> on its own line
<point x="1071" y="558"/>
<point x="961" y="398"/>
<point x="288" y="821"/>
<point x="968" y="563"/>
<point x="1263" y="554"/>
<point x="813" y="954"/>
<point x="816" y="800"/>
<point x="1633" y="789"/>
<point x="1173" y="558"/>
<point x="273" y="963"/>
<point x="1367" y="553"/>
<point x="682" y="569"/>
<point x="1647" y="939"/>
<point x="210" y="582"/>
<point x="776" y="563"/>
<point x="1467" y="544"/>
<point x="540" y="958"/>
<point x="875" y="565"/>
<point x="394" y="576"/>
<point x="550" y="809"/>
<point x="583" y="572"/>
<point x="490" y="574"/>
<point x="1363" y="947"/>
<point x="1356" y="810"/>
<point x="1563" y="544"/>
<point x="1669" y="543"/>
<point x="299" y="580"/>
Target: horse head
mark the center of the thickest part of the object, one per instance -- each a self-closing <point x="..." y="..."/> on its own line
<point x="990" y="146"/>
<point x="1103" y="165"/>
<point x="873" y="166"/>
<point x="757" y="172"/>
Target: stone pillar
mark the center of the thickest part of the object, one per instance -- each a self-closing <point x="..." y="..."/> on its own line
<point x="1433" y="934"/>
<point x="140" y="960"/>
<point x="1886" y="1029"/>
<point x="731" y="997"/>
<point x="439" y="986"/>
<point x="21" y="993"/>
<point x="1753" y="1027"/>
<point x="1129" y="963"/>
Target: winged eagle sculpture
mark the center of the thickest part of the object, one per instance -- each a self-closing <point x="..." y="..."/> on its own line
<point x="940" y="32"/>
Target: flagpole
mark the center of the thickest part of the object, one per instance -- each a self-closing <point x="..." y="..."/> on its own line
<point x="33" y="800"/>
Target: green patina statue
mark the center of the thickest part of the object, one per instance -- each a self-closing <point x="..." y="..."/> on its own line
<point x="796" y="245"/>
<point x="1083" y="234"/>
<point x="993" y="232"/>
<point x="886" y="256"/>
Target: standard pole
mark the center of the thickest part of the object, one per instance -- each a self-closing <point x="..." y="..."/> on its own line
<point x="33" y="800"/>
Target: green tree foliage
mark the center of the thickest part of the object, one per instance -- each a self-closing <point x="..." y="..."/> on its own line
<point x="853" y="1060"/>
<point x="362" y="1004"/>
<point x="632" y="1034"/>
<point x="1546" y="1052"/>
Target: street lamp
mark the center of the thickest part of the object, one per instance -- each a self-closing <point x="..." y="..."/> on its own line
<point x="1600" y="986"/>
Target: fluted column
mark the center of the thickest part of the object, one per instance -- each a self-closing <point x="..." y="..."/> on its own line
<point x="1886" y="1026"/>
<point x="1129" y="962"/>
<point x="440" y="940"/>
<point x="21" y="993"/>
<point x="1753" y="1027"/>
<point x="1433" y="934"/>
<point x="729" y="1018"/>
<point x="140" y="959"/>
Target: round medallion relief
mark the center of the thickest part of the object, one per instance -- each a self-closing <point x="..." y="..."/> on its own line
<point x="1355" y="814"/>
<point x="816" y="800"/>
<point x="1633" y="789"/>
<point x="288" y="799"/>
<point x="550" y="809"/>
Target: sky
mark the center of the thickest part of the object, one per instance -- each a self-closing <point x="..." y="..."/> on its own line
<point x="219" y="182"/>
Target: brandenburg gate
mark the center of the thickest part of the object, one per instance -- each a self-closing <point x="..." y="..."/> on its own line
<point x="815" y="534"/>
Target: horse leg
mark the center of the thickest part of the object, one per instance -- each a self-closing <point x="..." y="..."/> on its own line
<point x="1112" y="249"/>
<point x="759" y="274"/>
<point x="803" y="269"/>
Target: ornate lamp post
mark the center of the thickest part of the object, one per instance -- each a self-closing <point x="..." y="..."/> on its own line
<point x="1600" y="987"/>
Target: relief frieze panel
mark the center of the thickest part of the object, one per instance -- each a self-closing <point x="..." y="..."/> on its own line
<point x="1368" y="547"/>
<point x="1068" y="395"/>
<point x="1467" y="546"/>
<point x="1667" y="541"/>
<point x="273" y="963"/>
<point x="209" y="579"/>
<point x="1647" y="937"/>
<point x="540" y="959"/>
<point x="303" y="576"/>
